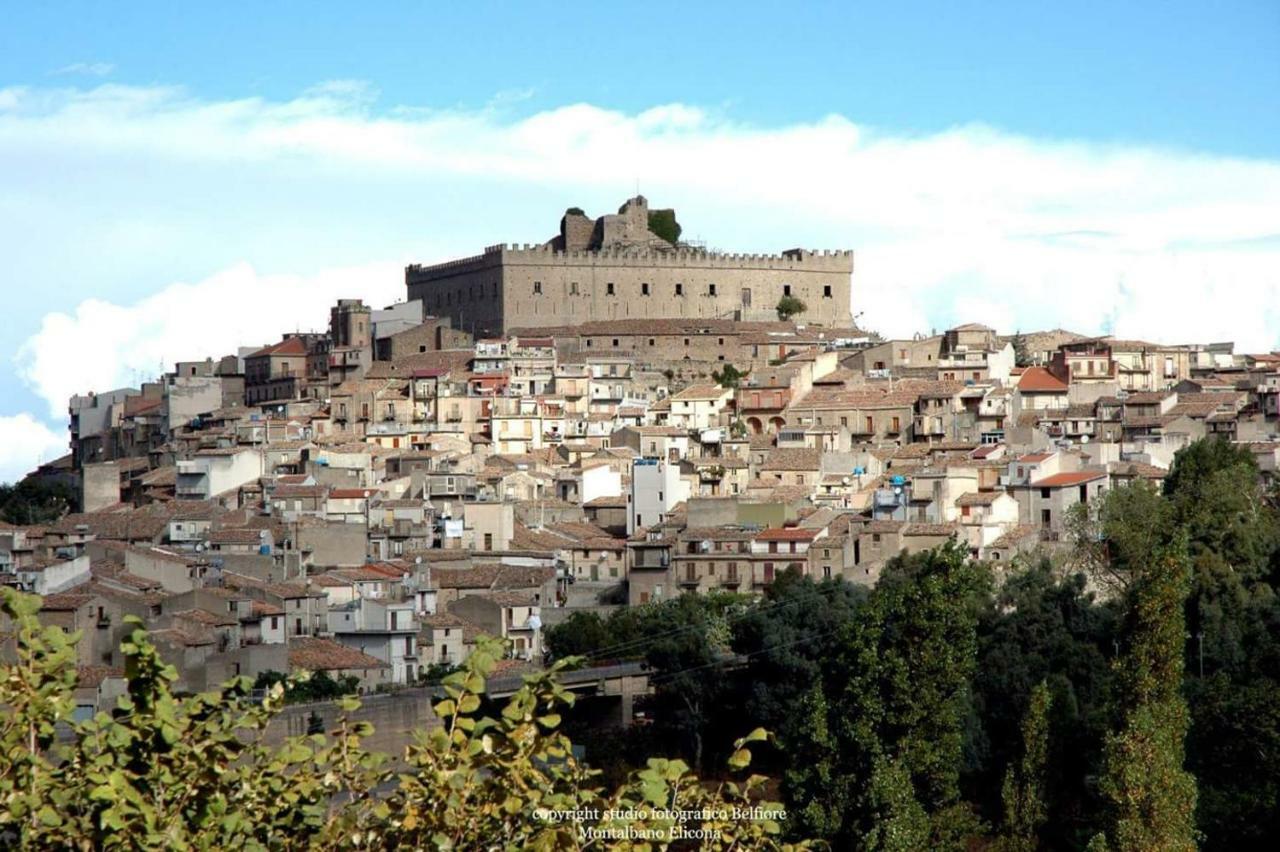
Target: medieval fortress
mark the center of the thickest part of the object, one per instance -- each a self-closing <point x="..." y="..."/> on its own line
<point x="615" y="268"/>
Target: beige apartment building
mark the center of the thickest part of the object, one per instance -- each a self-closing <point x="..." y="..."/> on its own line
<point x="615" y="268"/>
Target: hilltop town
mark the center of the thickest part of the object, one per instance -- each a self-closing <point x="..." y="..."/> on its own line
<point x="605" y="420"/>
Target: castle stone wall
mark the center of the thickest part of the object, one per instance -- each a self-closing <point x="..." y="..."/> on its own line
<point x="533" y="286"/>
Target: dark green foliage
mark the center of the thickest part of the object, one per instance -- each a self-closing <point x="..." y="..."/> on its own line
<point x="1044" y="629"/>
<point x="1234" y="752"/>
<point x="320" y="686"/>
<point x="897" y="694"/>
<point x="730" y="376"/>
<point x="33" y="501"/>
<point x="1152" y="797"/>
<point x="1024" y="794"/>
<point x="789" y="306"/>
<point x="1021" y="356"/>
<point x="663" y="223"/>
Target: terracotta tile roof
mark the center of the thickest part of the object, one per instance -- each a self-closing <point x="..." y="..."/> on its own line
<point x="264" y="608"/>
<point x="1064" y="480"/>
<point x="317" y="655"/>
<point x="64" y="602"/>
<point x="928" y="529"/>
<point x="979" y="498"/>
<point x="190" y="638"/>
<point x="792" y="460"/>
<point x="1035" y="458"/>
<point x="203" y="616"/>
<point x="1015" y="535"/>
<point x="707" y="391"/>
<point x="288" y="346"/>
<point x="1040" y="380"/>
<point x="91" y="677"/>
<point x="787" y="534"/>
<point x="235" y="536"/>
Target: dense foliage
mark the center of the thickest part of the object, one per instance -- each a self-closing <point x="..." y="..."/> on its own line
<point x="664" y="224"/>
<point x="320" y="686"/>
<point x="34" y="501"/>
<point x="196" y="772"/>
<point x="1125" y="697"/>
<point x="789" y="306"/>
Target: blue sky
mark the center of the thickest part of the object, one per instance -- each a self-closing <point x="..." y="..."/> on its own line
<point x="181" y="177"/>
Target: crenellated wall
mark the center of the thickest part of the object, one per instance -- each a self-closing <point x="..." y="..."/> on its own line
<point x="536" y="285"/>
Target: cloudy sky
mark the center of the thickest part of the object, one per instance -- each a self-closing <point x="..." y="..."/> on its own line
<point x="177" y="183"/>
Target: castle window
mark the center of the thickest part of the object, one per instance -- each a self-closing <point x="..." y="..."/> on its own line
<point x="786" y="289"/>
<point x="686" y="341"/>
<point x="573" y="288"/>
<point x="679" y="289"/>
<point x="615" y="343"/>
<point x="826" y="291"/>
<point x="608" y="289"/>
<point x="588" y="342"/>
<point x="711" y="289"/>
<point x="644" y="288"/>
<point x="537" y="288"/>
<point x="650" y="341"/>
<point x="720" y="340"/>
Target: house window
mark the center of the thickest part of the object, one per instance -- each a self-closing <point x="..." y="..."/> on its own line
<point x="679" y="289"/>
<point x="1044" y="517"/>
<point x="895" y="424"/>
<point x="537" y="288"/>
<point x="608" y="289"/>
<point x="786" y="289"/>
<point x="1044" y="492"/>
<point x="488" y="541"/>
<point x="870" y="425"/>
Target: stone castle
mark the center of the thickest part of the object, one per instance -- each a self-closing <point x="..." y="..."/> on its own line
<point x="616" y="267"/>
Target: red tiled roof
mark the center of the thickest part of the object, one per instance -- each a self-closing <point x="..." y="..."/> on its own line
<point x="325" y="655"/>
<point x="288" y="346"/>
<point x="786" y="534"/>
<point x="1040" y="380"/>
<point x="1063" y="480"/>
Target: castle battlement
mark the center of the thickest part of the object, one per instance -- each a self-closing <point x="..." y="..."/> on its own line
<point x="544" y="254"/>
<point x="619" y="267"/>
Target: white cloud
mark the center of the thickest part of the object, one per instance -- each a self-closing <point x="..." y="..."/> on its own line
<point x="132" y="183"/>
<point x="25" y="443"/>
<point x="104" y="346"/>
<point x="92" y="69"/>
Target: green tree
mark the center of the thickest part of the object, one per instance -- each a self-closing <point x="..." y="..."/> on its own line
<point x="1025" y="807"/>
<point x="789" y="306"/>
<point x="664" y="224"/>
<point x="169" y="772"/>
<point x="34" y="501"/>
<point x="899" y="695"/>
<point x="1152" y="796"/>
<point x="729" y="377"/>
<point x="1021" y="355"/>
